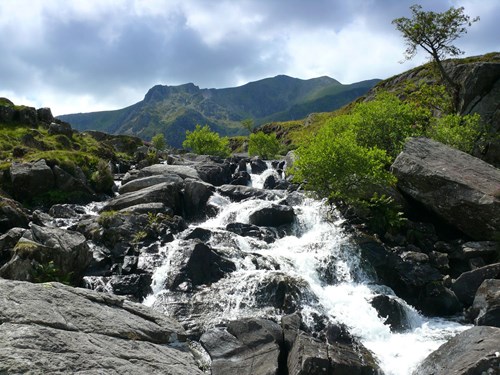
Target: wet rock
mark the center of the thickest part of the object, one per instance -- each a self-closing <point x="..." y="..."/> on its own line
<point x="12" y="214"/>
<point x="239" y="193"/>
<point x="457" y="187"/>
<point x="485" y="310"/>
<point x="474" y="351"/>
<point x="269" y="182"/>
<point x="216" y="174"/>
<point x="166" y="193"/>
<point x="195" y="197"/>
<point x="135" y="286"/>
<point x="52" y="328"/>
<point x="247" y="347"/>
<point x="392" y="311"/>
<point x="145" y="182"/>
<point x="437" y="300"/>
<point x="31" y="179"/>
<point x="290" y="324"/>
<point x="63" y="211"/>
<point x="466" y="285"/>
<point x="272" y="216"/>
<point x="32" y="256"/>
<point x="196" y="264"/>
<point x="249" y="230"/>
<point x="257" y="165"/>
<point x="201" y="234"/>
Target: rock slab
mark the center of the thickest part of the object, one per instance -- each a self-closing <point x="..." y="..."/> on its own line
<point x="53" y="328"/>
<point x="459" y="188"/>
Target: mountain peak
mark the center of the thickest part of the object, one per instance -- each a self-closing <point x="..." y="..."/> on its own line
<point x="160" y="92"/>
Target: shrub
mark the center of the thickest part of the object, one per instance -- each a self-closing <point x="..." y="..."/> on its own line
<point x="203" y="141"/>
<point x="460" y="132"/>
<point x="333" y="164"/>
<point x="264" y="145"/>
<point x="102" y="178"/>
<point x="159" y="142"/>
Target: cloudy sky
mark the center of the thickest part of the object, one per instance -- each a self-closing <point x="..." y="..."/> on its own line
<point x="89" y="55"/>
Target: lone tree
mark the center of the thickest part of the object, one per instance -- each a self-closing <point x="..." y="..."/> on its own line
<point x="435" y="33"/>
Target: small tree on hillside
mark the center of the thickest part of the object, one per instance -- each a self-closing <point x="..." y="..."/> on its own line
<point x="247" y="124"/>
<point x="159" y="142"/>
<point x="203" y="141"/>
<point x="435" y="33"/>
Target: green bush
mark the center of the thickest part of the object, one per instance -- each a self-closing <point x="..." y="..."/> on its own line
<point x="203" y="141"/>
<point x="102" y="178"/>
<point x="264" y="145"/>
<point x="333" y="164"/>
<point x="159" y="142"/>
<point x="460" y="132"/>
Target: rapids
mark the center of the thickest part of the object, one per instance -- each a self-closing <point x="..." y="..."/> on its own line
<point x="317" y="265"/>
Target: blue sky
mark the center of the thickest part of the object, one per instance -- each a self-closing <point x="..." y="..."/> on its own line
<point x="89" y="55"/>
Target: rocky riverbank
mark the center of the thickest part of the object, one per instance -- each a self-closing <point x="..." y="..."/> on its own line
<point x="444" y="261"/>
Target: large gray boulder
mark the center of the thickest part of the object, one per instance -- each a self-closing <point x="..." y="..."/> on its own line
<point x="12" y="214"/>
<point x="472" y="352"/>
<point x="486" y="306"/>
<point x="52" y="328"/>
<point x="272" y="216"/>
<point x="48" y="253"/>
<point x="459" y="188"/>
<point x="247" y="347"/>
<point x="183" y="171"/>
<point x="167" y="193"/>
<point x="30" y="179"/>
<point x="149" y="181"/>
<point x="466" y="285"/>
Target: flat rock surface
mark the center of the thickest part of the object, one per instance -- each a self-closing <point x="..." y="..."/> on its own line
<point x="53" y="328"/>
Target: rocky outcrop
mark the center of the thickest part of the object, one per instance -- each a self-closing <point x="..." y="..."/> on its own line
<point x="246" y="347"/>
<point x="12" y="214"/>
<point x="272" y="216"/>
<point x="474" y="351"/>
<point x="459" y="188"/>
<point x="44" y="254"/>
<point x="52" y="328"/>
<point x="31" y="179"/>
<point x="485" y="310"/>
<point x="466" y="285"/>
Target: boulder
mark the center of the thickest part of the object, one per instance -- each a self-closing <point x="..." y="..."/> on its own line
<point x="148" y="208"/>
<point x="216" y="174"/>
<point x="486" y="306"/>
<point x="457" y="187"/>
<point x="183" y="171"/>
<point x="166" y="193"/>
<point x="310" y="356"/>
<point x="45" y="254"/>
<point x="247" y="347"/>
<point x="474" y="351"/>
<point x="239" y="193"/>
<point x="195" y="197"/>
<point x="145" y="182"/>
<point x="466" y="285"/>
<point x="61" y="128"/>
<point x="52" y="328"/>
<point x="390" y="309"/>
<point x="12" y="214"/>
<point x="45" y="115"/>
<point x="31" y="179"/>
<point x="272" y="216"/>
<point x="257" y="165"/>
<point x="249" y="230"/>
<point x="196" y="264"/>
<point x="74" y="186"/>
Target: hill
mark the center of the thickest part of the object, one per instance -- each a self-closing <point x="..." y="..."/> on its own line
<point x="172" y="110"/>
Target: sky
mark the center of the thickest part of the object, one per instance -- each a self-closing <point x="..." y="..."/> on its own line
<point x="91" y="55"/>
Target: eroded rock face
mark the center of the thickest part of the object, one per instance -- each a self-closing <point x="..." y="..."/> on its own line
<point x="54" y="328"/>
<point x="459" y="188"/>
<point x="471" y="352"/>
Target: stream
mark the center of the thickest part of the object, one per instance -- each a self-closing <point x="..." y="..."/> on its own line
<point x="317" y="265"/>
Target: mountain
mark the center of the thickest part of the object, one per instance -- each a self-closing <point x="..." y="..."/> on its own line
<point x="172" y="110"/>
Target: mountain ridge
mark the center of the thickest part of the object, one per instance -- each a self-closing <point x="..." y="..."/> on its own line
<point x="172" y="110"/>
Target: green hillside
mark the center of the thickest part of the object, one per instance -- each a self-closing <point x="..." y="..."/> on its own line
<point x="172" y="110"/>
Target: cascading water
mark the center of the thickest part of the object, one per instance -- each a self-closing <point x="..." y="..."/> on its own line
<point x="319" y="267"/>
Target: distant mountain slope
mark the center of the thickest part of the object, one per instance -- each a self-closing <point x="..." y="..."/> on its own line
<point x="172" y="110"/>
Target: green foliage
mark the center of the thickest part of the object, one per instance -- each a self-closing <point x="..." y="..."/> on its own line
<point x="46" y="272"/>
<point x="105" y="218"/>
<point x="386" y="123"/>
<point x="203" y="141"/>
<point x="264" y="145"/>
<point x="384" y="214"/>
<point x="102" y="178"/>
<point x="333" y="164"/>
<point x="434" y="32"/>
<point x="461" y="132"/>
<point x="247" y="124"/>
<point x="158" y="141"/>
<point x="431" y="98"/>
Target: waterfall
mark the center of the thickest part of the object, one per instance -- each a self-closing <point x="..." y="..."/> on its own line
<point x="319" y="267"/>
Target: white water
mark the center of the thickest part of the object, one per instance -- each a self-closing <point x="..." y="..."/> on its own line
<point x="313" y="246"/>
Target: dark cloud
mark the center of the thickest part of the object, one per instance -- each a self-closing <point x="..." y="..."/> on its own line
<point x="114" y="51"/>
